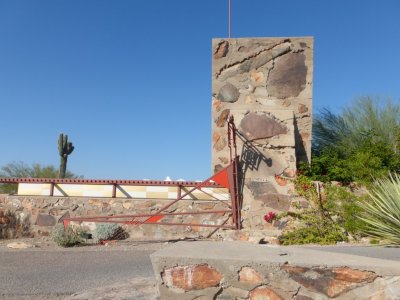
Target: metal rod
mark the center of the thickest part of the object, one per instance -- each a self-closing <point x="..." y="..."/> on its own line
<point x="171" y="224"/>
<point x="229" y="18"/>
<point x="52" y="189"/>
<point x="149" y="215"/>
<point x="114" y="191"/>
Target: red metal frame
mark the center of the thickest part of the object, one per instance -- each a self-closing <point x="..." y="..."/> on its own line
<point x="227" y="178"/>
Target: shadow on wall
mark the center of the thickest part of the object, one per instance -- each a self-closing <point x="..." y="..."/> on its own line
<point x="301" y="153"/>
<point x="250" y="159"/>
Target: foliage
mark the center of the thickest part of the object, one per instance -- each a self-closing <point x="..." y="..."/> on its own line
<point x="68" y="237"/>
<point x="331" y="219"/>
<point x="375" y="119"/>
<point x="20" y="169"/>
<point x="370" y="160"/>
<point x="65" y="148"/>
<point x="382" y="213"/>
<point x="107" y="231"/>
<point x="360" y="144"/>
<point x="316" y="228"/>
<point x="305" y="188"/>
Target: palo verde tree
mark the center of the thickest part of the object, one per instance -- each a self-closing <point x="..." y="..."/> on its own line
<point x="65" y="148"/>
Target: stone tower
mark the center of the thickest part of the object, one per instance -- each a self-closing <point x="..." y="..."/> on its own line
<point x="266" y="84"/>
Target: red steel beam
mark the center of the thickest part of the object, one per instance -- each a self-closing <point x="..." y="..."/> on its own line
<point x="108" y="181"/>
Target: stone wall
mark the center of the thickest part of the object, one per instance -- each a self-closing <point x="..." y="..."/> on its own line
<point x="266" y="84"/>
<point x="37" y="215"/>
<point x="209" y="270"/>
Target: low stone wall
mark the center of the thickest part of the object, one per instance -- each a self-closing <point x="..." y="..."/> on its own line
<point x="234" y="270"/>
<point x="37" y="215"/>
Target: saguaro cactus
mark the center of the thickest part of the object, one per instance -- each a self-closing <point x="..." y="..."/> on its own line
<point x="64" y="149"/>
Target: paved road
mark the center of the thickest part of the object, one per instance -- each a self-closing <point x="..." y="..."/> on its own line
<point x="36" y="274"/>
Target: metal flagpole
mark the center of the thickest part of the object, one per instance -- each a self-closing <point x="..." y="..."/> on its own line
<point x="229" y="18"/>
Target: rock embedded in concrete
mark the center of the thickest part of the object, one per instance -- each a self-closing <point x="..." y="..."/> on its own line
<point x="218" y="168"/>
<point x="45" y="220"/>
<point x="264" y="293"/>
<point x="228" y="93"/>
<point x="302" y="109"/>
<point x="255" y="126"/>
<point x="288" y="77"/>
<point x="220" y="144"/>
<point x="222" y="50"/>
<point x="221" y="121"/>
<point x="330" y="281"/>
<point x="250" y="276"/>
<point x="233" y="293"/>
<point x="194" y="277"/>
<point x="267" y="193"/>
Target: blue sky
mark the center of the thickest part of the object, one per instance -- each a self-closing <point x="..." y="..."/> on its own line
<point x="130" y="81"/>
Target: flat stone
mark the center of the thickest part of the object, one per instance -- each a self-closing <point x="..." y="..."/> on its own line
<point x="221" y="121"/>
<point x="257" y="78"/>
<point x="45" y="220"/>
<point x="218" y="168"/>
<point x="266" y="192"/>
<point x="264" y="293"/>
<point x="224" y="160"/>
<point x="233" y="293"/>
<point x="228" y="93"/>
<point x="250" y="276"/>
<point x="260" y="189"/>
<point x="255" y="126"/>
<point x="222" y="50"/>
<point x="220" y="144"/>
<point x="330" y="281"/>
<point x="127" y="204"/>
<point x="288" y="77"/>
<point x="192" y="277"/>
<point x="216" y="105"/>
<point x="302" y="109"/>
<point x="19" y="245"/>
<point x="280" y="180"/>
<point x="276" y="201"/>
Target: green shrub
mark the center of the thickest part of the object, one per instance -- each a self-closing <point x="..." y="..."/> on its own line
<point x="382" y="213"/>
<point x="358" y="144"/>
<point x="68" y="237"/>
<point x="315" y="228"/>
<point x="331" y="219"/>
<point x="107" y="231"/>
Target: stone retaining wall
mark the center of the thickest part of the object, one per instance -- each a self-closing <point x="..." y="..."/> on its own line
<point x="222" y="270"/>
<point x="37" y="215"/>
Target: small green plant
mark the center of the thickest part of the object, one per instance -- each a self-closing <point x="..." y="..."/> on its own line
<point x="107" y="231"/>
<point x="331" y="219"/>
<point x="316" y="227"/>
<point x="68" y="237"/>
<point x="382" y="213"/>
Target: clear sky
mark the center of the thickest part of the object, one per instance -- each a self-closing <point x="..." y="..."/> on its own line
<point x="130" y="80"/>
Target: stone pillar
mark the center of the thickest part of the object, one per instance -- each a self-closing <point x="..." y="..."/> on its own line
<point x="266" y="84"/>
